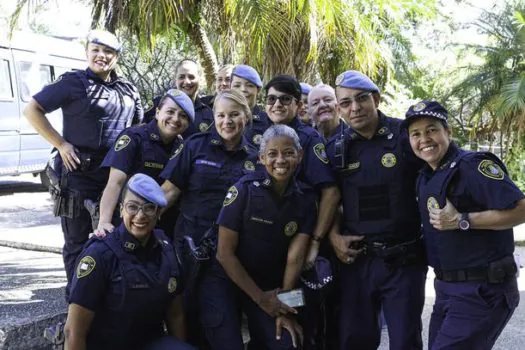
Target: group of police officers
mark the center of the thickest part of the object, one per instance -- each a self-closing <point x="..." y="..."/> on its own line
<point x="320" y="183"/>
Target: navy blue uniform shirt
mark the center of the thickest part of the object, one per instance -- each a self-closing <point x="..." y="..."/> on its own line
<point x="203" y="170"/>
<point x="255" y="129"/>
<point x="128" y="286"/>
<point x="203" y="116"/>
<point x="266" y="224"/>
<point x="377" y="182"/>
<point x="473" y="182"/>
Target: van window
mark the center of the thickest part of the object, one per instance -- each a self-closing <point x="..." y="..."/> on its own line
<point x="6" y="85"/>
<point x="34" y="78"/>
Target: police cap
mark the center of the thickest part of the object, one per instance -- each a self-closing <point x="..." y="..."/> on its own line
<point x="285" y="83"/>
<point x="353" y="79"/>
<point x="183" y="101"/>
<point x="105" y="38"/>
<point x="426" y="109"/>
<point x="305" y="88"/>
<point x="249" y="73"/>
<point x="144" y="186"/>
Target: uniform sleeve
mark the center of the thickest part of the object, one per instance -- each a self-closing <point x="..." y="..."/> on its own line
<point x="232" y="212"/>
<point x="488" y="184"/>
<point x="316" y="167"/>
<point x="90" y="279"/>
<point x="310" y="209"/>
<point x="124" y="153"/>
<point x="179" y="167"/>
<point x="58" y="93"/>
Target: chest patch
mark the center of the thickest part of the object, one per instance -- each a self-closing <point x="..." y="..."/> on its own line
<point x="203" y="127"/>
<point x="432" y="203"/>
<point x="290" y="229"/>
<point x="85" y="266"/>
<point x="122" y="142"/>
<point x="257" y="139"/>
<point x="491" y="170"/>
<point x="248" y="165"/>
<point x="388" y="160"/>
<point x="172" y="285"/>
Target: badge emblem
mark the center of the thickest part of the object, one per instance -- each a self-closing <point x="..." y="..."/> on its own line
<point x="122" y="142"/>
<point x="267" y="182"/>
<point x="175" y="92"/>
<point x="215" y="142"/>
<point x="172" y="285"/>
<point x="339" y="79"/>
<point x="388" y="160"/>
<point x="85" y="266"/>
<point x="491" y="170"/>
<point x="432" y="203"/>
<point x="382" y="131"/>
<point x="419" y="107"/>
<point x="154" y="136"/>
<point x="320" y="152"/>
<point x="257" y="139"/>
<point x="203" y="127"/>
<point x="129" y="246"/>
<point x="177" y="151"/>
<point x="248" y="165"/>
<point x="230" y="196"/>
<point x="290" y="229"/>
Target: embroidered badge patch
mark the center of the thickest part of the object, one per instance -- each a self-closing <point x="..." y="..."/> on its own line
<point x="432" y="203"/>
<point x="85" y="266"/>
<point x="172" y="285"/>
<point x="230" y="196"/>
<point x="388" y="160"/>
<point x="339" y="79"/>
<point x="122" y="142"/>
<point x="290" y="228"/>
<point x="320" y="152"/>
<point x="203" y="127"/>
<point x="419" y="107"/>
<point x="491" y="170"/>
<point x="248" y="165"/>
<point x="257" y="139"/>
<point x="177" y="151"/>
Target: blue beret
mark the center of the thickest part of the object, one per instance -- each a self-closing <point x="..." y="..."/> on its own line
<point x="183" y="101"/>
<point x="353" y="79"/>
<point x="249" y="73"/>
<point x="426" y="109"/>
<point x="144" y="186"/>
<point x="305" y="88"/>
<point x="105" y="38"/>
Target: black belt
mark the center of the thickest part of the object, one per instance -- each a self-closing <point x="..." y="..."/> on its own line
<point x="496" y="272"/>
<point x="463" y="275"/>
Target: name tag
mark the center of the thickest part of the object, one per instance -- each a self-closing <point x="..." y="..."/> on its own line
<point x="208" y="162"/>
<point x="352" y="166"/>
<point x="261" y="220"/>
<point x="153" y="165"/>
<point x="140" y="286"/>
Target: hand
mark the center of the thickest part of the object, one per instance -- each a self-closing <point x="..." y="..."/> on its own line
<point x="445" y="219"/>
<point x="313" y="251"/>
<point x="290" y="324"/>
<point x="341" y="245"/>
<point x="269" y="302"/>
<point x="69" y="156"/>
<point x="103" y="229"/>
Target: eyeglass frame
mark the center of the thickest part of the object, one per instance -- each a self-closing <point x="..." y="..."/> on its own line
<point x="280" y="99"/>
<point x="140" y="207"/>
<point x="359" y="99"/>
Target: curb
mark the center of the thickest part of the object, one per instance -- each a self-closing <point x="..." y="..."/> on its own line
<point x="29" y="335"/>
<point x="30" y="246"/>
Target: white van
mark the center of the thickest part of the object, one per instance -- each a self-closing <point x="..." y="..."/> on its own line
<point x="28" y="62"/>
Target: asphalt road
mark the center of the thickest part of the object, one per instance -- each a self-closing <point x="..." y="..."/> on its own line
<point x="32" y="283"/>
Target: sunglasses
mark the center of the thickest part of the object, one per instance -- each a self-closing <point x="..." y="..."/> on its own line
<point x="285" y="100"/>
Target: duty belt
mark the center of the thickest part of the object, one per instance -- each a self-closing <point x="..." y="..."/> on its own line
<point x="496" y="272"/>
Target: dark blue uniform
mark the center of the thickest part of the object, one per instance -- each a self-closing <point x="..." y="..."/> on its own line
<point x="266" y="225"/>
<point x="377" y="183"/>
<point x="203" y="116"/>
<point x="129" y="287"/>
<point x="95" y="113"/>
<point x="258" y="126"/>
<point x="470" y="309"/>
<point x="140" y="149"/>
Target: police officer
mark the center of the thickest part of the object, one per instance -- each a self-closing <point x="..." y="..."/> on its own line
<point x="222" y="82"/>
<point x="128" y="283"/>
<point x="303" y="114"/>
<point x="97" y="106"/>
<point x="146" y="149"/>
<point x="468" y="206"/>
<point x="265" y="225"/>
<point x="283" y="101"/>
<point x="378" y="243"/>
<point x="324" y="111"/>
<point x="204" y="168"/>
<point x="246" y="80"/>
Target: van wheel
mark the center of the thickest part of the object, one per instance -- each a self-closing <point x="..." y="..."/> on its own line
<point x="44" y="179"/>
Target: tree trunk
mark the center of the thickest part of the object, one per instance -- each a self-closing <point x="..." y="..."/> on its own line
<point x="206" y="52"/>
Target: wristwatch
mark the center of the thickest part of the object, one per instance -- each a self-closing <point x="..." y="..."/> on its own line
<point x="464" y="222"/>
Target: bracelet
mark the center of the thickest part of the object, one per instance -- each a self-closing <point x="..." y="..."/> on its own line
<point x="317" y="238"/>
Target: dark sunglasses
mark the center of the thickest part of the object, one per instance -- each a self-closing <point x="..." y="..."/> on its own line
<point x="285" y="100"/>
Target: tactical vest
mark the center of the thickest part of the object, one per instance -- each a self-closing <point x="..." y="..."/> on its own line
<point x="455" y="249"/>
<point x="93" y="123"/>
<point x="378" y="188"/>
<point x="136" y="299"/>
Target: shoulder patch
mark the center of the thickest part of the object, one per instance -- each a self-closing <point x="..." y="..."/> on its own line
<point x="248" y="165"/>
<point x="177" y="151"/>
<point x="203" y="127"/>
<point x="491" y="170"/>
<point x="230" y="196"/>
<point x="320" y="152"/>
<point x="388" y="160"/>
<point x="85" y="266"/>
<point x="122" y="142"/>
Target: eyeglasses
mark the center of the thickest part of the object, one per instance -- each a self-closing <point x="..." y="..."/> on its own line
<point x="285" y="100"/>
<point x="148" y="209"/>
<point x="359" y="99"/>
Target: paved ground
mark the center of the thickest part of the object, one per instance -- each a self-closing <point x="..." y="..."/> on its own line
<point x="31" y="282"/>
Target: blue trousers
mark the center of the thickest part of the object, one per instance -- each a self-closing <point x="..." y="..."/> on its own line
<point x="470" y="315"/>
<point x="369" y="284"/>
<point x="168" y="343"/>
<point x="221" y="304"/>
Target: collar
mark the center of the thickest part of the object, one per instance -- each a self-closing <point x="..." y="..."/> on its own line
<point x="91" y="75"/>
<point x="266" y="181"/>
<point x="216" y="140"/>
<point x="198" y="104"/>
<point x="383" y="129"/>
<point x="255" y="112"/>
<point x="295" y="123"/>
<point x="153" y="130"/>
<point x="446" y="162"/>
<point x="133" y="245"/>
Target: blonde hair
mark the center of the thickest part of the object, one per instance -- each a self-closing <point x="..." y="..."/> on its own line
<point x="236" y="97"/>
